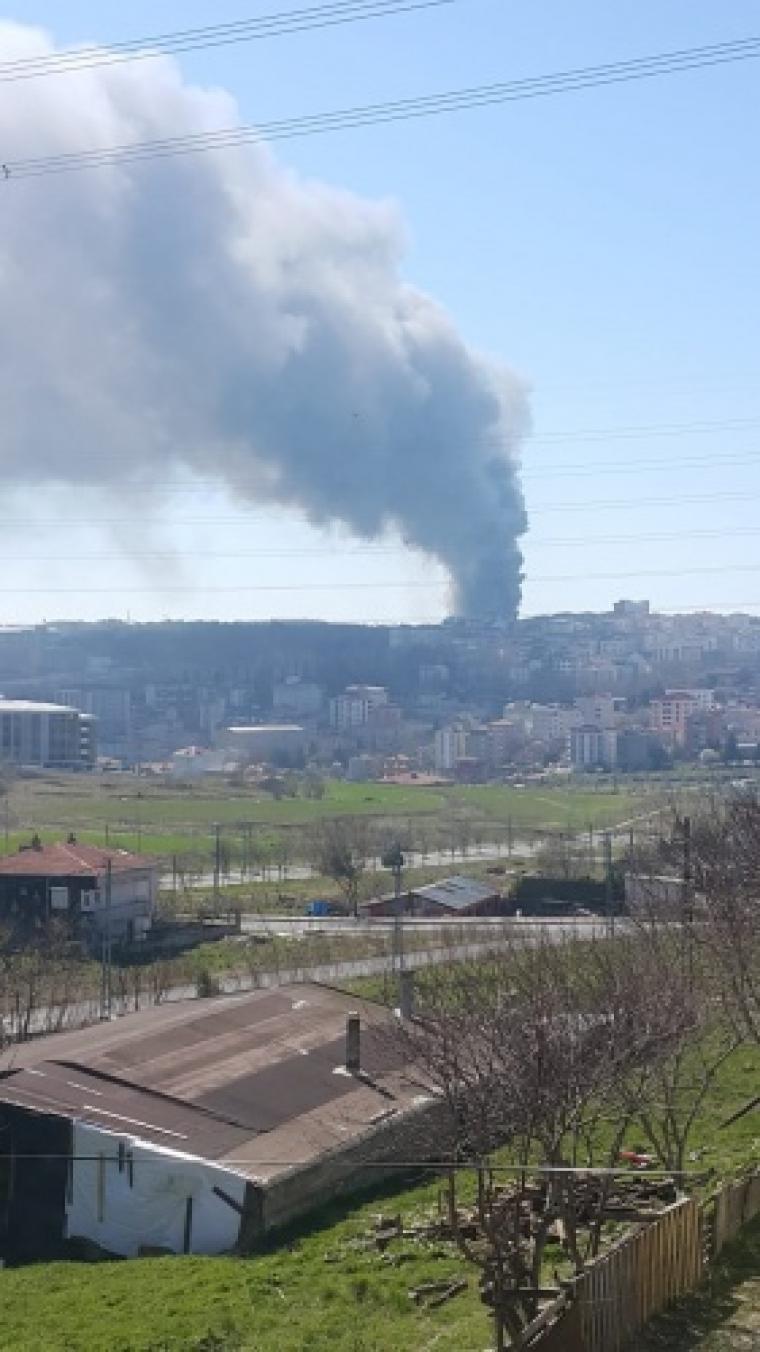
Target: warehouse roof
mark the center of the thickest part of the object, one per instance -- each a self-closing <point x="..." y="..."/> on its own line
<point x="458" y="893"/>
<point x="258" y="1080"/>
<point x="69" y="860"/>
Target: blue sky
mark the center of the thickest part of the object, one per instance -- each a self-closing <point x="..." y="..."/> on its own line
<point x="603" y="244"/>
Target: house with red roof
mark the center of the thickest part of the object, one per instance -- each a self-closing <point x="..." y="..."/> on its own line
<point x="93" y="889"/>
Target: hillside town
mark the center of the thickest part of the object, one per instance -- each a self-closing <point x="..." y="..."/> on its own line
<point x="630" y="691"/>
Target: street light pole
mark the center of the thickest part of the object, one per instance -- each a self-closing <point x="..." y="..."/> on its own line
<point x="105" y="951"/>
<point x="394" y="860"/>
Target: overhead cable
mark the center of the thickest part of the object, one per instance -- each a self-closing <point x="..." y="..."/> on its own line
<point x="216" y="35"/>
<point x="400" y="110"/>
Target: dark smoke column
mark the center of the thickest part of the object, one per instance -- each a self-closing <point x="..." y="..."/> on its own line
<point x="219" y="318"/>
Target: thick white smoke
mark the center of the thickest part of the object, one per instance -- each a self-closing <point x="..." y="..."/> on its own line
<point x="216" y="313"/>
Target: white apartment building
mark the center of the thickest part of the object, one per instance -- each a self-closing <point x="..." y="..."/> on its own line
<point x="450" y="745"/>
<point x="601" y="710"/>
<point x="553" y="722"/>
<point x="353" y="708"/>
<point x="46" y="735"/>
<point x="592" y="747"/>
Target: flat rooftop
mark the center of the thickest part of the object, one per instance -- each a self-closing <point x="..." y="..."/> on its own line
<point x="29" y="706"/>
<point x="257" y="1081"/>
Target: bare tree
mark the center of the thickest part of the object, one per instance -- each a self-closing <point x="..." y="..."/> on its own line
<point x="538" y="1051"/>
<point x="529" y="1050"/>
<point x="715" y="853"/>
<point x="341" y="847"/>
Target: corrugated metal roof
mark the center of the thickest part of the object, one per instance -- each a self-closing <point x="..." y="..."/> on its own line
<point x="458" y="893"/>
<point x="258" y="1077"/>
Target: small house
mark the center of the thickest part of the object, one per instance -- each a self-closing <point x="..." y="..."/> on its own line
<point x="92" y="889"/>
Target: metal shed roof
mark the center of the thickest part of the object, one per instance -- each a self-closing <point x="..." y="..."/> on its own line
<point x="257" y="1079"/>
<point x="457" y="893"/>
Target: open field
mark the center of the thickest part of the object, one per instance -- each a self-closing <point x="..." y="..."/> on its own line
<point x="323" y="1290"/>
<point x="168" y="820"/>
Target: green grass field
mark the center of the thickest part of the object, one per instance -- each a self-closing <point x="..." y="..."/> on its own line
<point x="167" y="820"/>
<point x="322" y="1291"/>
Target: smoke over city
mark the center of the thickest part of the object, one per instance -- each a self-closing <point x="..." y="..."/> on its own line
<point x="218" y="315"/>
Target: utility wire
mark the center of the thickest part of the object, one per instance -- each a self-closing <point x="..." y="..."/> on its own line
<point x="216" y="35"/>
<point x="380" y="585"/>
<point x="377" y="551"/>
<point x="581" y="469"/>
<point x="401" y="110"/>
<point x="246" y="519"/>
<point x="438" y="1166"/>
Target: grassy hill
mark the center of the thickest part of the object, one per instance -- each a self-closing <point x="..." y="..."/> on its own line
<point x="326" y="1290"/>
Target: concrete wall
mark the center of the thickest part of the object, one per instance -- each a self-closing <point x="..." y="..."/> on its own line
<point x="414" y="1135"/>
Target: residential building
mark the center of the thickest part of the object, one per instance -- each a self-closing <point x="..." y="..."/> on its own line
<point x="192" y="762"/>
<point x="601" y="710"/>
<point x="347" y="713"/>
<point x="670" y="714"/>
<point x="46" y="736"/>
<point x="592" y="748"/>
<point x="301" y="699"/>
<point x="449" y="746"/>
<point x="553" y="722"/>
<point x="631" y="610"/>
<point x="258" y="743"/>
<point x="356" y="706"/>
<point x="90" y="888"/>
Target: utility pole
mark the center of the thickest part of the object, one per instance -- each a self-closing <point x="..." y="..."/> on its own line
<point x="394" y="860"/>
<point x="105" y="951"/>
<point x="688" y="898"/>
<point x="608" y="906"/>
<point x="217" y="863"/>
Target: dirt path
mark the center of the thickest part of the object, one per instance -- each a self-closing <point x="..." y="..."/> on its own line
<point x="723" y="1317"/>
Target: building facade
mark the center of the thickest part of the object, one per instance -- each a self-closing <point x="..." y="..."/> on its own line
<point x="592" y="748"/>
<point x="46" y="736"/>
<point x="93" y="890"/>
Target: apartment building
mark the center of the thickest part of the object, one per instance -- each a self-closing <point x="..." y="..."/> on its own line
<point x="46" y="736"/>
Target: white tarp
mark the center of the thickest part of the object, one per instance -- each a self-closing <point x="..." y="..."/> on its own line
<point x="125" y="1193"/>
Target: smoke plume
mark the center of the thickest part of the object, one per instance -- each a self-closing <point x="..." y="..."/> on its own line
<point x="217" y="314"/>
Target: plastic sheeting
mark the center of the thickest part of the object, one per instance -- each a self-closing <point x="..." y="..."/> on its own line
<point x="125" y="1194"/>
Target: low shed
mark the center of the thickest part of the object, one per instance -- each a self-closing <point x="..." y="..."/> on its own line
<point x="457" y="896"/>
<point x="198" y="1127"/>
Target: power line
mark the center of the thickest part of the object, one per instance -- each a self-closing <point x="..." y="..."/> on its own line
<point x="579" y="469"/>
<point x="649" y="429"/>
<point x="231" y="519"/>
<point x="374" y="551"/>
<point x="378" y="585"/>
<point x="217" y="35"/>
<point x="401" y="110"/>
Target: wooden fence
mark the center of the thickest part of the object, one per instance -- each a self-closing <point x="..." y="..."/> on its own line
<point x="735" y="1205"/>
<point x="645" y="1272"/>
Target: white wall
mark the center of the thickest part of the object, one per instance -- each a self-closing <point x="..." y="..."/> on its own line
<point x="104" y="1206"/>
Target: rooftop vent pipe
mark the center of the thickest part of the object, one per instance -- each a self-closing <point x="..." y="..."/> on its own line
<point x="353" y="1044"/>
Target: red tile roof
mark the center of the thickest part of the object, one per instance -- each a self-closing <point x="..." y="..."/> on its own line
<point x="70" y="861"/>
